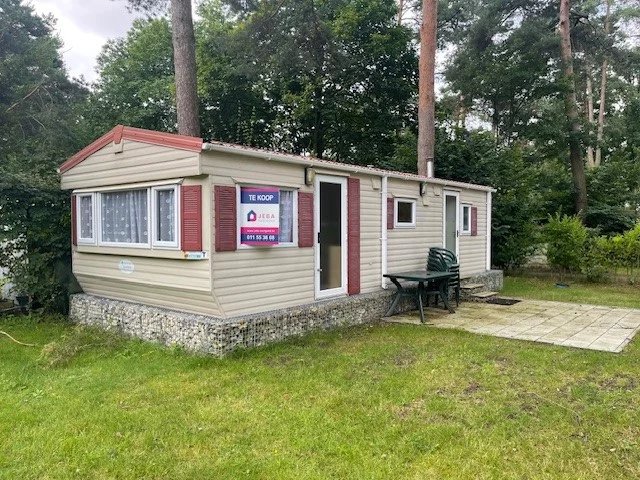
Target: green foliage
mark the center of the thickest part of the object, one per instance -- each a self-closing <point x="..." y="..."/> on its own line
<point x="609" y="220"/>
<point x="565" y="238"/>
<point x="342" y="88"/>
<point x="474" y="157"/>
<point x="595" y="259"/>
<point x="136" y="81"/>
<point x="624" y="252"/>
<point x="616" y="183"/>
<point x="38" y="128"/>
<point x="571" y="247"/>
<point x="502" y="65"/>
<point x="35" y="241"/>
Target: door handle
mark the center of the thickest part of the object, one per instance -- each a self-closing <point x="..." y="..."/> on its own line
<point x="318" y="236"/>
<point x="457" y="233"/>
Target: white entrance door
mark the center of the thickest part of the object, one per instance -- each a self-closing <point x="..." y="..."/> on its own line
<point x="451" y="214"/>
<point x="331" y="236"/>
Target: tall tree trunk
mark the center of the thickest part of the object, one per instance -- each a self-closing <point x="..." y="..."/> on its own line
<point x="603" y="90"/>
<point x="184" y="59"/>
<point x="400" y="11"/>
<point x="590" y="117"/>
<point x="318" y="124"/>
<point x="571" y="111"/>
<point x="426" y="88"/>
<point x="461" y="112"/>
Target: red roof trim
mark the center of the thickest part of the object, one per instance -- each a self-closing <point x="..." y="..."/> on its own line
<point x="120" y="132"/>
<point x="117" y="133"/>
<point x="86" y="151"/>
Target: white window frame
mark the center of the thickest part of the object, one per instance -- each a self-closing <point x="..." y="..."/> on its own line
<point x="463" y="207"/>
<point x="154" y="220"/>
<point x="293" y="244"/>
<point x="396" y="222"/>
<point x="82" y="240"/>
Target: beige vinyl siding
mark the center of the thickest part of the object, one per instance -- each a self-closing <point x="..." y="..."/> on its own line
<point x="370" y="245"/>
<point x="228" y="169"/>
<point x="473" y="249"/>
<point x="137" y="162"/>
<point x="252" y="280"/>
<point x="408" y="246"/>
<point x="262" y="279"/>
<point x="178" y="284"/>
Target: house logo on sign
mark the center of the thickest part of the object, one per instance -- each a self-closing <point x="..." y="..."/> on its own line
<point x="251" y="216"/>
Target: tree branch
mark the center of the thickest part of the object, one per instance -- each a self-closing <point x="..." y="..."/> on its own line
<point x="35" y="89"/>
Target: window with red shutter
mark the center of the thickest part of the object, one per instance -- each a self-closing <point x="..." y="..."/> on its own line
<point x="305" y="219"/>
<point x="353" y="236"/>
<point x="191" y="218"/>
<point x="474" y="221"/>
<point x="226" y="218"/>
<point x="74" y="221"/>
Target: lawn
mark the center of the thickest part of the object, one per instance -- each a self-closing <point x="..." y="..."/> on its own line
<point x="379" y="401"/>
<point x="600" y="294"/>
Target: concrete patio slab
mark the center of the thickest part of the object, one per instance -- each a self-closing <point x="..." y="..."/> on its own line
<point x="592" y="327"/>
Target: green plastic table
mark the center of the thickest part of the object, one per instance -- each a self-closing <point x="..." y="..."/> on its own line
<point x="439" y="279"/>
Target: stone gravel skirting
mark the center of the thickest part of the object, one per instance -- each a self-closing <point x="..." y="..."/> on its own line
<point x="216" y="336"/>
<point x="210" y="335"/>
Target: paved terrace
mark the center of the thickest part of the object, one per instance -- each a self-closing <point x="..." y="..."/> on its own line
<point x="593" y="327"/>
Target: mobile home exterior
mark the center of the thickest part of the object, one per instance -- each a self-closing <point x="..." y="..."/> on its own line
<point x="228" y="235"/>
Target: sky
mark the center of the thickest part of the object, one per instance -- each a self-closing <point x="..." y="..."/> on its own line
<point x="84" y="26"/>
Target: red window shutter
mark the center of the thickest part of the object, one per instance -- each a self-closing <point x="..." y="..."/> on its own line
<point x="353" y="236"/>
<point x="390" y="213"/>
<point x="226" y="218"/>
<point x="74" y="222"/>
<point x="474" y="221"/>
<point x="191" y="218"/>
<point x="305" y="219"/>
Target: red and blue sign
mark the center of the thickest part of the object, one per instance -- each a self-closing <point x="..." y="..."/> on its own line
<point x="260" y="216"/>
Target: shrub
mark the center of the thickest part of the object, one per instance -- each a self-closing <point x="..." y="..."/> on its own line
<point x="35" y="241"/>
<point x="596" y="259"/>
<point x="609" y="220"/>
<point x="566" y="239"/>
<point x="624" y="252"/>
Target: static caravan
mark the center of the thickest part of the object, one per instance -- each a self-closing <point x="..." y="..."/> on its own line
<point x="215" y="246"/>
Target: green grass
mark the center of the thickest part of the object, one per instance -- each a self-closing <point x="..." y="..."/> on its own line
<point x="599" y="294"/>
<point x="381" y="401"/>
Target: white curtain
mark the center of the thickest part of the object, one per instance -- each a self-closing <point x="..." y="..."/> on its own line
<point x="166" y="214"/>
<point x="286" y="216"/>
<point x="86" y="217"/>
<point x="124" y="217"/>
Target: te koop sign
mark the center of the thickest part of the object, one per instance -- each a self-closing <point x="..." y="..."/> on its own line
<point x="260" y="216"/>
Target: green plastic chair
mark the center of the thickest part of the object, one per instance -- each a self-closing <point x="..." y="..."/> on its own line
<point x="444" y="260"/>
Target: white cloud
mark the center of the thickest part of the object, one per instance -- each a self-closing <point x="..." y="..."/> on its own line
<point x="84" y="27"/>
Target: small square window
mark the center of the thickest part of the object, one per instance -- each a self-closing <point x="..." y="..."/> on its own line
<point x="405" y="214"/>
<point x="466" y="219"/>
